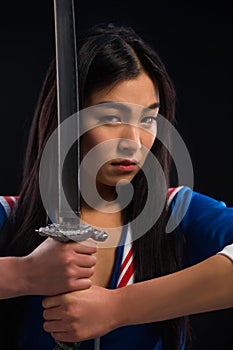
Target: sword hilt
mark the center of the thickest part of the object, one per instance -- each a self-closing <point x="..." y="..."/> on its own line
<point x="66" y="232"/>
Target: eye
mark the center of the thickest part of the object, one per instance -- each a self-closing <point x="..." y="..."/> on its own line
<point x="149" y="121"/>
<point x="110" y="119"/>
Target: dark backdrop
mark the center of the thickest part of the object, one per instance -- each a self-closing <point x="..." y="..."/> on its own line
<point x="194" y="41"/>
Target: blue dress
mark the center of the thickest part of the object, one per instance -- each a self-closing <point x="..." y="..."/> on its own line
<point x="208" y="227"/>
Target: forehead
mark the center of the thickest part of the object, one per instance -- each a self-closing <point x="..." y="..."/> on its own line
<point x="140" y="91"/>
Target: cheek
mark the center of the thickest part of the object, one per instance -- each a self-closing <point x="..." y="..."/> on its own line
<point x="90" y="140"/>
<point x="96" y="150"/>
<point x="148" y="136"/>
<point x="147" y="140"/>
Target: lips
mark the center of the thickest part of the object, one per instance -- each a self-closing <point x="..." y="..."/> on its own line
<point x="125" y="165"/>
<point x="125" y="162"/>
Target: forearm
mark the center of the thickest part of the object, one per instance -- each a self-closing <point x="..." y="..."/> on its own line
<point x="204" y="287"/>
<point x="13" y="280"/>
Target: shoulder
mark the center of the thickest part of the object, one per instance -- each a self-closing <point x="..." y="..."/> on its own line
<point x="186" y="195"/>
<point x="172" y="192"/>
<point x="7" y="203"/>
<point x="207" y="223"/>
<point x="195" y="207"/>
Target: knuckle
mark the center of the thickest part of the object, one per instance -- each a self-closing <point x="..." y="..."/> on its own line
<point x="70" y="272"/>
<point x="68" y="259"/>
<point x="71" y="285"/>
<point x="70" y="312"/>
<point x="74" y="328"/>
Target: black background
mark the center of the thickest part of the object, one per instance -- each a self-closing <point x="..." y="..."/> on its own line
<point x="194" y="39"/>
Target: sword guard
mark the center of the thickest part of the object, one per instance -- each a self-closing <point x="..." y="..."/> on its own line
<point x="66" y="232"/>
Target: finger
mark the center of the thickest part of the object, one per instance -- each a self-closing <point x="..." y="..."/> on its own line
<point x="85" y="247"/>
<point x="84" y="272"/>
<point x="53" y="314"/>
<point x="80" y="284"/>
<point x="55" y="326"/>
<point x="54" y="301"/>
<point x="84" y="260"/>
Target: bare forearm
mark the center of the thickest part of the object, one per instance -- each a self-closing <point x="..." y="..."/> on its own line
<point x="204" y="287"/>
<point x="13" y="281"/>
<point x="96" y="311"/>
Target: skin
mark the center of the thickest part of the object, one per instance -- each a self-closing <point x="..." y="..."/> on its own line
<point x="86" y="314"/>
<point x="94" y="312"/>
<point x="119" y="134"/>
<point x="52" y="268"/>
<point x="120" y="126"/>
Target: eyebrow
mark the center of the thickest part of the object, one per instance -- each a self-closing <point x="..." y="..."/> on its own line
<point x="121" y="106"/>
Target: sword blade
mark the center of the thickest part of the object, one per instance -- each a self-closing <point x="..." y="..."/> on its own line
<point x="67" y="105"/>
<point x="66" y="224"/>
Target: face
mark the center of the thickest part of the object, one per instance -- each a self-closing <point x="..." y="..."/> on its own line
<point x="122" y="127"/>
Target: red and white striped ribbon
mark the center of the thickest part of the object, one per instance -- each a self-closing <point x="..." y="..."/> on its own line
<point x="126" y="274"/>
<point x="172" y="192"/>
<point x="127" y="270"/>
<point x="8" y="203"/>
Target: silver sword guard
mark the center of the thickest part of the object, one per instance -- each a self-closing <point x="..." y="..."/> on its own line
<point x="66" y="232"/>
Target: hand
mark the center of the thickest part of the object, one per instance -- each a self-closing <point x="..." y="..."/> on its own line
<point x="81" y="315"/>
<point x="55" y="267"/>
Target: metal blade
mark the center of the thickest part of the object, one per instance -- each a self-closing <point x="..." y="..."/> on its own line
<point x="66" y="223"/>
<point x="67" y="105"/>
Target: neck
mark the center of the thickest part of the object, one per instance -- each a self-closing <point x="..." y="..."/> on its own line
<point x="106" y="216"/>
<point x="97" y="196"/>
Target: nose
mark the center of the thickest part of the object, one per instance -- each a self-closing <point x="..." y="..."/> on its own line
<point x="130" y="141"/>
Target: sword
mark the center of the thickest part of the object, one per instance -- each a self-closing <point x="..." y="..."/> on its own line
<point x="68" y="226"/>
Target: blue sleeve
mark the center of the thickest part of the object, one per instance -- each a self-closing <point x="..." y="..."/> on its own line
<point x="207" y="223"/>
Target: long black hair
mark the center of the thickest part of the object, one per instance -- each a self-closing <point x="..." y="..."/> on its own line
<point x="107" y="55"/>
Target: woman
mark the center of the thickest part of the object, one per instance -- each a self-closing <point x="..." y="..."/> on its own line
<point x="123" y="80"/>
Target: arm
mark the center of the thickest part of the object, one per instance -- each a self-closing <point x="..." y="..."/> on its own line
<point x="51" y="268"/>
<point x="204" y="287"/>
<point x="82" y="315"/>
